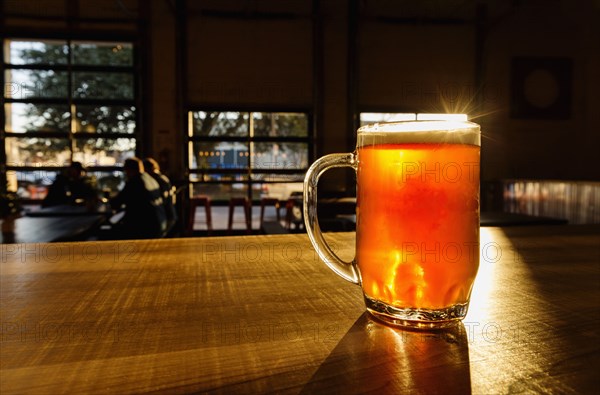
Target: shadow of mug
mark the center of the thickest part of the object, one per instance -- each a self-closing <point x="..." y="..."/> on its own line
<point x="372" y="357"/>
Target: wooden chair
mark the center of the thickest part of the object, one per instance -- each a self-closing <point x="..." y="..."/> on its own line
<point x="244" y="202"/>
<point x="264" y="202"/>
<point x="195" y="202"/>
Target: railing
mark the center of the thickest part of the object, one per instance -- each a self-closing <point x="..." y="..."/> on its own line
<point x="576" y="201"/>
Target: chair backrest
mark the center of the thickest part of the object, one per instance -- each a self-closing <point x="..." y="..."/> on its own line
<point x="194" y="203"/>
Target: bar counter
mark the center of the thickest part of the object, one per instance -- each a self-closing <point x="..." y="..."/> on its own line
<point x="261" y="314"/>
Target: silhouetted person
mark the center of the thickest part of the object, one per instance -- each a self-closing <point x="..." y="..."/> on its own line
<point x="151" y="167"/>
<point x="72" y="187"/>
<point x="144" y="211"/>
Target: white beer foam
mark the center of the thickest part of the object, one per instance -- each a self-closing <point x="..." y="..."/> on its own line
<point x="437" y="132"/>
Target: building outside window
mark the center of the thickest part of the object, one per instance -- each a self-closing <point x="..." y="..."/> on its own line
<point x="245" y="153"/>
<point x="64" y="101"/>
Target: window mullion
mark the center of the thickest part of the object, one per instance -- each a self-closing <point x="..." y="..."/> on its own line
<point x="72" y="109"/>
<point x="3" y="174"/>
<point x="250" y="151"/>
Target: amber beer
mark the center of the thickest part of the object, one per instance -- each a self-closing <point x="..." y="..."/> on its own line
<point x="417" y="231"/>
<point x="418" y="220"/>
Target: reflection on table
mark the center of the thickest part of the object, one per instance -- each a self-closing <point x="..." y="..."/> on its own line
<point x="69" y="210"/>
<point x="49" y="228"/>
<point x="258" y="314"/>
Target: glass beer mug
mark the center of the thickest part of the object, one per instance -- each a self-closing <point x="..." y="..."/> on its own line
<point x="417" y="219"/>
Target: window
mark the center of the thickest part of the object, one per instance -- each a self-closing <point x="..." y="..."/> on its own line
<point x="64" y="101"/>
<point x="374" y="117"/>
<point x="253" y="154"/>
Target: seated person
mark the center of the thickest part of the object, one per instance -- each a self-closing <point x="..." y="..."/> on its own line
<point x="168" y="192"/>
<point x="144" y="210"/>
<point x="72" y="187"/>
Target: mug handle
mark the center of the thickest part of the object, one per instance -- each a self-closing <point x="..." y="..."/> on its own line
<point x="346" y="270"/>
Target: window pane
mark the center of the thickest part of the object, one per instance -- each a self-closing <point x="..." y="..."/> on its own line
<point x="37" y="151"/>
<point x="444" y="117"/>
<point x="234" y="124"/>
<point x="375" y="117"/>
<point x="32" y="184"/>
<point x="24" y="84"/>
<point x="109" y="182"/>
<point x="102" y="53"/>
<point x="219" y="155"/>
<point x="105" y="119"/>
<point x="26" y="117"/>
<point x="103" y="151"/>
<point x="278" y="177"/>
<point x="280" y="124"/>
<point x="282" y="191"/>
<point x="220" y="191"/>
<point x="94" y="85"/>
<point x="271" y="156"/>
<point x="230" y="178"/>
<point x="36" y="52"/>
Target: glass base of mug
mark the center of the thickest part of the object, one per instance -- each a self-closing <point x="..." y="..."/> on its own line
<point x="416" y="318"/>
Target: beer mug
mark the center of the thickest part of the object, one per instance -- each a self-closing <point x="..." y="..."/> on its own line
<point x="417" y="219"/>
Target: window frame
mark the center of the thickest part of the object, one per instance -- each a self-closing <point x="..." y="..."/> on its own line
<point x="248" y="171"/>
<point x="70" y="101"/>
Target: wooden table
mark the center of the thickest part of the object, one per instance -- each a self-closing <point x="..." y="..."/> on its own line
<point x="48" y="229"/>
<point x="262" y="314"/>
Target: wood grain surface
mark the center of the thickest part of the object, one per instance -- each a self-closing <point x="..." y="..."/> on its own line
<point x="261" y="314"/>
